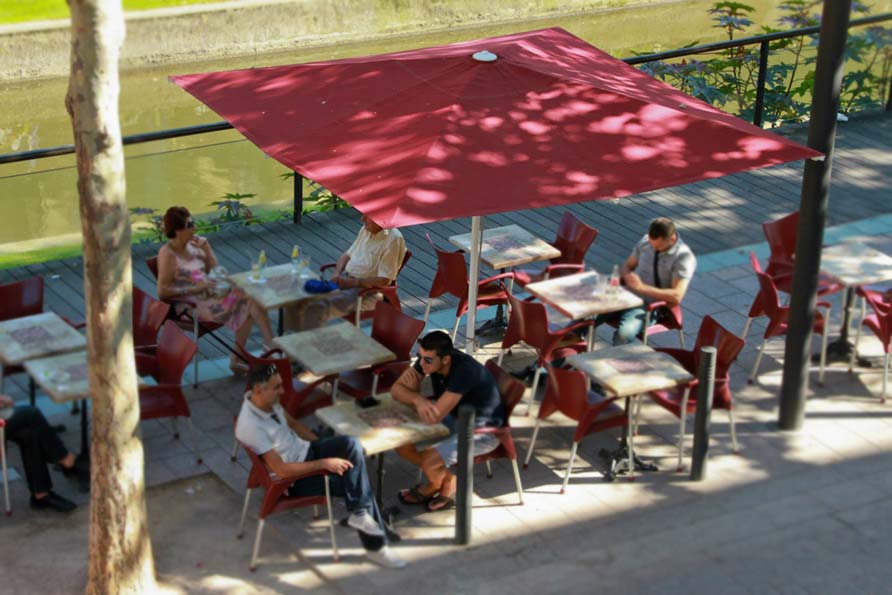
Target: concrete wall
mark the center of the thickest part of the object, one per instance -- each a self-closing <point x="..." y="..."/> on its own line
<point x="254" y="26"/>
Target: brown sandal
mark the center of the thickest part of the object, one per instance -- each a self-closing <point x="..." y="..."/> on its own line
<point x="440" y="503"/>
<point x="417" y="498"/>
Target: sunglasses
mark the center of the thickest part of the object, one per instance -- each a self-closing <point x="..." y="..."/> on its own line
<point x="190" y="224"/>
<point x="428" y="359"/>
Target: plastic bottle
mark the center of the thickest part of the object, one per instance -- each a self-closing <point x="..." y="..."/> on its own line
<point x="614" y="280"/>
<point x="295" y="260"/>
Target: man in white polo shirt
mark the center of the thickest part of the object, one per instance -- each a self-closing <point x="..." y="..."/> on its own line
<point x="287" y="447"/>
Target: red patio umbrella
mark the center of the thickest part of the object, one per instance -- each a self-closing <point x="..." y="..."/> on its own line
<point x="538" y="119"/>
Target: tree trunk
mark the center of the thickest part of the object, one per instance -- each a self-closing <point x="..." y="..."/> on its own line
<point x="120" y="557"/>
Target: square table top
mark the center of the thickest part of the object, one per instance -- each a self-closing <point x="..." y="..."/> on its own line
<point x="278" y="287"/>
<point x="36" y="336"/>
<point x="63" y="377"/>
<point x="507" y="246"/>
<point x="381" y="428"/>
<point x="852" y="263"/>
<point x="333" y="348"/>
<point x="631" y="369"/>
<point x="578" y="295"/>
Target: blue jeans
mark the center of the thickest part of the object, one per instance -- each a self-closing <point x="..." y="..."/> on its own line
<point x="630" y="323"/>
<point x="353" y="486"/>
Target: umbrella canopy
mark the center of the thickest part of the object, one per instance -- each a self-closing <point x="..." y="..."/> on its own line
<point x="538" y="119"/>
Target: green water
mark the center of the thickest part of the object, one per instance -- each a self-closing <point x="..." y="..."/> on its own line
<point x="38" y="199"/>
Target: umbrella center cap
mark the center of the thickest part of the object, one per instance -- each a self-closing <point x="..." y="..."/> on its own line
<point x="485" y="56"/>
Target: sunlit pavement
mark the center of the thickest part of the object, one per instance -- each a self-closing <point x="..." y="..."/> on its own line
<point x="806" y="511"/>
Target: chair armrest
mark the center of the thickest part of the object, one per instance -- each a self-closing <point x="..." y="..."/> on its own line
<point x="290" y="479"/>
<point x="573" y="327"/>
<point x="494" y="278"/>
<point x="564" y="269"/>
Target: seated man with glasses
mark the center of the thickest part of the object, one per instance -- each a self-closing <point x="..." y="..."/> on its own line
<point x="457" y="379"/>
<point x="287" y="447"/>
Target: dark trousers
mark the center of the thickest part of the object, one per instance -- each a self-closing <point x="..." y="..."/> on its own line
<point x="38" y="444"/>
<point x="353" y="486"/>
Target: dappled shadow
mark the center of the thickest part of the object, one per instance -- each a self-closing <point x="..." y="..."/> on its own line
<point x="422" y="135"/>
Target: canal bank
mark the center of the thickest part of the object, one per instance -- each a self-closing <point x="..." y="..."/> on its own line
<point x="247" y="27"/>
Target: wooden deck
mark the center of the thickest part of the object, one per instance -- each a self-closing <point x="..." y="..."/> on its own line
<point x="712" y="215"/>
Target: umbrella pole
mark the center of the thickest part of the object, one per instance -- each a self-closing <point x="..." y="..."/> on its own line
<point x="473" y="276"/>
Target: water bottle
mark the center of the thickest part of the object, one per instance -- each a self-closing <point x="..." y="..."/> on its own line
<point x="295" y="260"/>
<point x="614" y="279"/>
<point x="261" y="264"/>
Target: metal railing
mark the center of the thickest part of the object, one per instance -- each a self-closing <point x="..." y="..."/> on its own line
<point x="762" y="40"/>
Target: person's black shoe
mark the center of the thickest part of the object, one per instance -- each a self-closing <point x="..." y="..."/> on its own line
<point x="80" y="469"/>
<point x="53" y="501"/>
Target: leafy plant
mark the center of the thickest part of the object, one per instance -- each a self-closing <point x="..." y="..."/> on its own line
<point x="319" y="199"/>
<point x="730" y="77"/>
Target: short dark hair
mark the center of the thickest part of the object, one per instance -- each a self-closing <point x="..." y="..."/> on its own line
<point x="437" y="341"/>
<point x="661" y="228"/>
<point x="261" y="374"/>
<point x="175" y="219"/>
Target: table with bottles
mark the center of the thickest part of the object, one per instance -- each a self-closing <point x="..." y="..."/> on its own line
<point x="583" y="295"/>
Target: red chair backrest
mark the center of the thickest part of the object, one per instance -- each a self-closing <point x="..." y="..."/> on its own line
<point x="148" y="316"/>
<point x="528" y="323"/>
<point x="452" y="273"/>
<point x="406" y="258"/>
<point x="510" y="388"/>
<point x="152" y="263"/>
<point x="573" y="240"/>
<point x="175" y="351"/>
<point x="883" y="309"/>
<point x="259" y="476"/>
<point x="21" y="298"/>
<point x="727" y="344"/>
<point x="395" y="330"/>
<point x="781" y="236"/>
<point x="768" y="297"/>
<point x="567" y="392"/>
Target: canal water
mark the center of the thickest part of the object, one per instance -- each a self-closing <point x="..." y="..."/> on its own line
<point x="38" y="199"/>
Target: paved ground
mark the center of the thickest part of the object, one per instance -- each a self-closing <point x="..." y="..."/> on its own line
<point x="808" y="511"/>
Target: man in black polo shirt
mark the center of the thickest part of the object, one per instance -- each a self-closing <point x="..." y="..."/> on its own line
<point x="457" y="379"/>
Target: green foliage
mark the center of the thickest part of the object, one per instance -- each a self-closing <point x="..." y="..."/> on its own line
<point x="230" y="211"/>
<point x="729" y="78"/>
<point x="320" y="199"/>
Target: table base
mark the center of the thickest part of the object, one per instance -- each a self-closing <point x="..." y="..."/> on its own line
<point x="617" y="461"/>
<point x="840" y="350"/>
<point x="497" y="325"/>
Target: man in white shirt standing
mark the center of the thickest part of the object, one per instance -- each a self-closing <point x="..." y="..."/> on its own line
<point x="287" y="447"/>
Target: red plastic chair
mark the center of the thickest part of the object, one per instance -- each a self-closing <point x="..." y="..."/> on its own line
<point x="573" y="240"/>
<point x="452" y="278"/>
<point x="511" y="392"/>
<point x="529" y="324"/>
<point x="684" y="398"/>
<point x="148" y="316"/>
<point x="880" y="322"/>
<point x="768" y="302"/>
<point x="186" y="321"/>
<point x="166" y="366"/>
<point x="8" y="508"/>
<point x="388" y="293"/>
<point x="276" y="499"/>
<point x="568" y="392"/>
<point x="781" y="236"/>
<point x="396" y="331"/>
<point x="671" y="319"/>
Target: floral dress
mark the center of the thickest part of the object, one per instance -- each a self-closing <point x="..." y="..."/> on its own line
<point x="230" y="308"/>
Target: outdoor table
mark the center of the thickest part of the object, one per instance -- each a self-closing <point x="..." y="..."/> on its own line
<point x="65" y="378"/>
<point x="630" y="371"/>
<point x="580" y="296"/>
<point x="332" y="349"/>
<point x="504" y="247"/>
<point x="507" y="246"/>
<point x="852" y="264"/>
<point x="35" y="336"/>
<point x="386" y="426"/>
<point x="277" y="287"/>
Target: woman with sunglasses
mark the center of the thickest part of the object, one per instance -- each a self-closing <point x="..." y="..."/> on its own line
<point x="184" y="262"/>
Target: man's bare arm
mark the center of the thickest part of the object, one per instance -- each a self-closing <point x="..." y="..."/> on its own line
<point x="407" y="389"/>
<point x="671" y="295"/>
<point x="274" y="461"/>
<point x="300" y="429"/>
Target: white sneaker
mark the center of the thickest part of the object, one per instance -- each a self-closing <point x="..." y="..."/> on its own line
<point x="386" y="558"/>
<point x="363" y="521"/>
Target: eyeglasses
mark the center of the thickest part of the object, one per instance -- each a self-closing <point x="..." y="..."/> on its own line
<point x="190" y="224"/>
